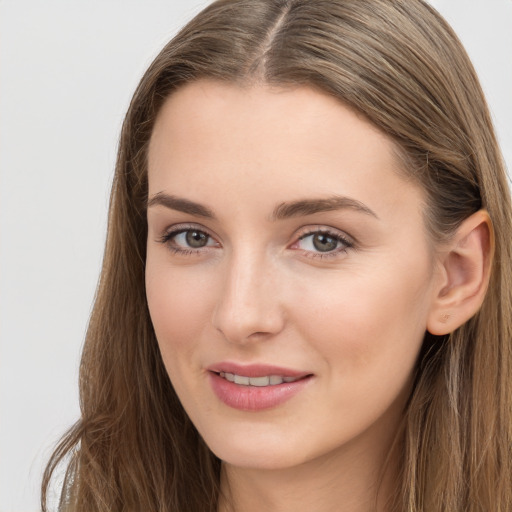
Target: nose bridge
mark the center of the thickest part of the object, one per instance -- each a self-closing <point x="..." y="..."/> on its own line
<point x="249" y="301"/>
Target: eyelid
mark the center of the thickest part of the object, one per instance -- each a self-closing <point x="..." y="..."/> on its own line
<point x="322" y="228"/>
<point x="185" y="226"/>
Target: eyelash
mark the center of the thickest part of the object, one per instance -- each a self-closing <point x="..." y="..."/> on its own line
<point x="347" y="244"/>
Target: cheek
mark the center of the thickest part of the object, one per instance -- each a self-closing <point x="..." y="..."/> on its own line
<point x="368" y="325"/>
<point x="180" y="305"/>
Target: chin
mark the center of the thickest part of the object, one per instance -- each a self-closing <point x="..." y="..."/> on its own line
<point x="262" y="451"/>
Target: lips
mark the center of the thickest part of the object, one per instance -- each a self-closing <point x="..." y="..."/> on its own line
<point x="255" y="387"/>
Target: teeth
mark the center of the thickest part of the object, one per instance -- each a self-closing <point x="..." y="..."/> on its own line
<point x="240" y="379"/>
<point x="270" y="380"/>
<point x="259" y="381"/>
<point x="275" y="379"/>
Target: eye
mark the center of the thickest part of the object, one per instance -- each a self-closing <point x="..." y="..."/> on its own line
<point x="188" y="240"/>
<point x="192" y="238"/>
<point x="323" y="243"/>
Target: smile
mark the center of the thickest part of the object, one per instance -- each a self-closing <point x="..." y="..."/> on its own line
<point x="256" y="387"/>
<point x="269" y="380"/>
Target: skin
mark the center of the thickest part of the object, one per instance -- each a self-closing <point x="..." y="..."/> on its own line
<point x="259" y="293"/>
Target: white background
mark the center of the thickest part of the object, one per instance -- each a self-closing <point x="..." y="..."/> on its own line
<point x="67" y="72"/>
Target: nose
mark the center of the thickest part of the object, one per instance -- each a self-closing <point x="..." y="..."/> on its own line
<point x="249" y="307"/>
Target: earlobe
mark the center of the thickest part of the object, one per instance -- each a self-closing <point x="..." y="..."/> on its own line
<point x="464" y="277"/>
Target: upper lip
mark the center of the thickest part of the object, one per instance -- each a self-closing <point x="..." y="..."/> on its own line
<point x="255" y="370"/>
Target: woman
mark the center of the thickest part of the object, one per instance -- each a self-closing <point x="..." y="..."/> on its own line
<point x="306" y="293"/>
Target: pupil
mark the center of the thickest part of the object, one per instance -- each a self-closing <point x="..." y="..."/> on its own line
<point x="324" y="243"/>
<point x="196" y="239"/>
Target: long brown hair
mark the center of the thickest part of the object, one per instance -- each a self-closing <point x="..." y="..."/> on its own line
<point x="399" y="64"/>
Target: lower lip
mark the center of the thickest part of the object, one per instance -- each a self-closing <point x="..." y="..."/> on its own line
<point x="254" y="398"/>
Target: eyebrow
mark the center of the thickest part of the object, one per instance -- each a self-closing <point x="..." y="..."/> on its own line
<point x="306" y="207"/>
<point x="180" y="204"/>
<point x="300" y="208"/>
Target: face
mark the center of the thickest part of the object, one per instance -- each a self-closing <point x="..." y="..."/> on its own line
<point x="289" y="275"/>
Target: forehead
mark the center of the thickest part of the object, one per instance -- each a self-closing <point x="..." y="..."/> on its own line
<point x="195" y="108"/>
<point x="274" y="141"/>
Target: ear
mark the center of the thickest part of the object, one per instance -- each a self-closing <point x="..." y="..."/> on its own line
<point x="465" y="268"/>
